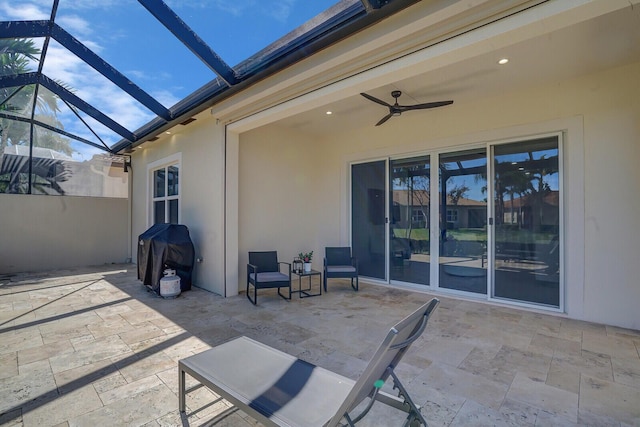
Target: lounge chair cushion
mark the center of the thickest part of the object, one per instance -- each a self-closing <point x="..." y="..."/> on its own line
<point x="270" y="276"/>
<point x="279" y="389"/>
<point x="341" y="269"/>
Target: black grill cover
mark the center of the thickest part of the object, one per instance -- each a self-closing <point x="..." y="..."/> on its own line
<point x="165" y="246"/>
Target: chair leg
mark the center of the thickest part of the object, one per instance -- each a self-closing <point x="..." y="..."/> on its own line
<point x="254" y="301"/>
<point x="355" y="288"/>
<point x="284" y="296"/>
<point x="181" y="389"/>
<point x="324" y="282"/>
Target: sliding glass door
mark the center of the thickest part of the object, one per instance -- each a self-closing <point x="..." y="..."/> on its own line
<point x="526" y="206"/>
<point x="409" y="251"/>
<point x="498" y="231"/>
<point x="368" y="217"/>
<point x="463" y="221"/>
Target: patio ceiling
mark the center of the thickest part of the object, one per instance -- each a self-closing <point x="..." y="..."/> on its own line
<point x="50" y="36"/>
<point x="608" y="41"/>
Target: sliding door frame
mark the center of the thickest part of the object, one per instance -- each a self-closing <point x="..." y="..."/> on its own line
<point x="385" y="159"/>
<point x="434" y="212"/>
<point x="491" y="221"/>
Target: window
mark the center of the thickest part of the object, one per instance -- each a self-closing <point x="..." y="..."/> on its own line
<point x="452" y="215"/>
<point x="418" y="215"/>
<point x="165" y="191"/>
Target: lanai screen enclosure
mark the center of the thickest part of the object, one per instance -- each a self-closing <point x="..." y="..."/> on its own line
<point x="515" y="193"/>
<point x="60" y="138"/>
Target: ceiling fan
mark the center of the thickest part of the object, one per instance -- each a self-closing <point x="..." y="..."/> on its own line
<point x="396" y="109"/>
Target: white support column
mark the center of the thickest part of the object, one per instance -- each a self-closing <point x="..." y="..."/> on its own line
<point x="232" y="158"/>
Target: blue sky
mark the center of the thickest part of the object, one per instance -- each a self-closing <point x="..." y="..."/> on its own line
<point x="127" y="36"/>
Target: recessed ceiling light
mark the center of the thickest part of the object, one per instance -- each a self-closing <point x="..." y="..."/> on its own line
<point x="329" y="113"/>
<point x="503" y="61"/>
<point x="168" y="132"/>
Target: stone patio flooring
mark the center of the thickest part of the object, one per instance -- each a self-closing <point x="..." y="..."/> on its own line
<point x="91" y="347"/>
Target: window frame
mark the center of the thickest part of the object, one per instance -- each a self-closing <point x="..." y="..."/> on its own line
<point x="164" y="163"/>
<point x="418" y="215"/>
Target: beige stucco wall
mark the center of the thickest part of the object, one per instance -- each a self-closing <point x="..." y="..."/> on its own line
<point x="602" y="115"/>
<point x="201" y="147"/>
<point x="281" y="196"/>
<point x="52" y="232"/>
<point x="254" y="201"/>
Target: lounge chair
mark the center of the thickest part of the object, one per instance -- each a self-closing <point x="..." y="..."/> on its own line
<point x="338" y="263"/>
<point x="263" y="272"/>
<point x="278" y="389"/>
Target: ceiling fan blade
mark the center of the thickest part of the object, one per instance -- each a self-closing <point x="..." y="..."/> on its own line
<point x="384" y="119"/>
<point x="376" y="100"/>
<point x="426" y="105"/>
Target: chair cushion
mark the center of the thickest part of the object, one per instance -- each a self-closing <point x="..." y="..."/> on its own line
<point x="265" y="261"/>
<point x="341" y="269"/>
<point x="338" y="255"/>
<point x="271" y="276"/>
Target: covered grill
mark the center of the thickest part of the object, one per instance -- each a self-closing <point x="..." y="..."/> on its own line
<point x="165" y="246"/>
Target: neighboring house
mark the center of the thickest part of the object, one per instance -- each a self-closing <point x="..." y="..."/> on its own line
<point x="463" y="213"/>
<point x="55" y="173"/>
<point x="518" y="211"/>
<point x="267" y="169"/>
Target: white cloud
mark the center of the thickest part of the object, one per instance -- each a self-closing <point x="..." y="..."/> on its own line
<point x="61" y="64"/>
<point x="92" y="4"/>
<point x="236" y="8"/>
<point x="97" y="91"/>
<point x="10" y="11"/>
<point x="74" y="24"/>
<point x="165" y="97"/>
<point x="280" y="10"/>
<point x="161" y="78"/>
<point x="144" y="75"/>
<point x="88" y="84"/>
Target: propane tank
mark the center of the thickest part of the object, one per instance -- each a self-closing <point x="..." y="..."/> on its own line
<point x="169" y="284"/>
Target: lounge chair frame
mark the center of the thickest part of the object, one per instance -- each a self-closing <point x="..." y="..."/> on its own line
<point x="267" y="262"/>
<point x="339" y="263"/>
<point x="278" y="389"/>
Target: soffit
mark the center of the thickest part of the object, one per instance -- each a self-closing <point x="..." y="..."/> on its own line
<point x="417" y="27"/>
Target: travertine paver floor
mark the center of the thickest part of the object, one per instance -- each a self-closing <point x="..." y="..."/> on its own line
<point x="91" y="347"/>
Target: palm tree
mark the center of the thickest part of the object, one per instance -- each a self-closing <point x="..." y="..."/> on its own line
<point x="15" y="55"/>
<point x="15" y="58"/>
<point x="516" y="182"/>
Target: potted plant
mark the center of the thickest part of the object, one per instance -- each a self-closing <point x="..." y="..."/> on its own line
<point x="306" y="259"/>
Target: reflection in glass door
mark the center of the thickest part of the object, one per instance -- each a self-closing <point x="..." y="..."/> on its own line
<point x="409" y="252"/>
<point x="527" y="221"/>
<point x="368" y="220"/>
<point x="463" y="221"/>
